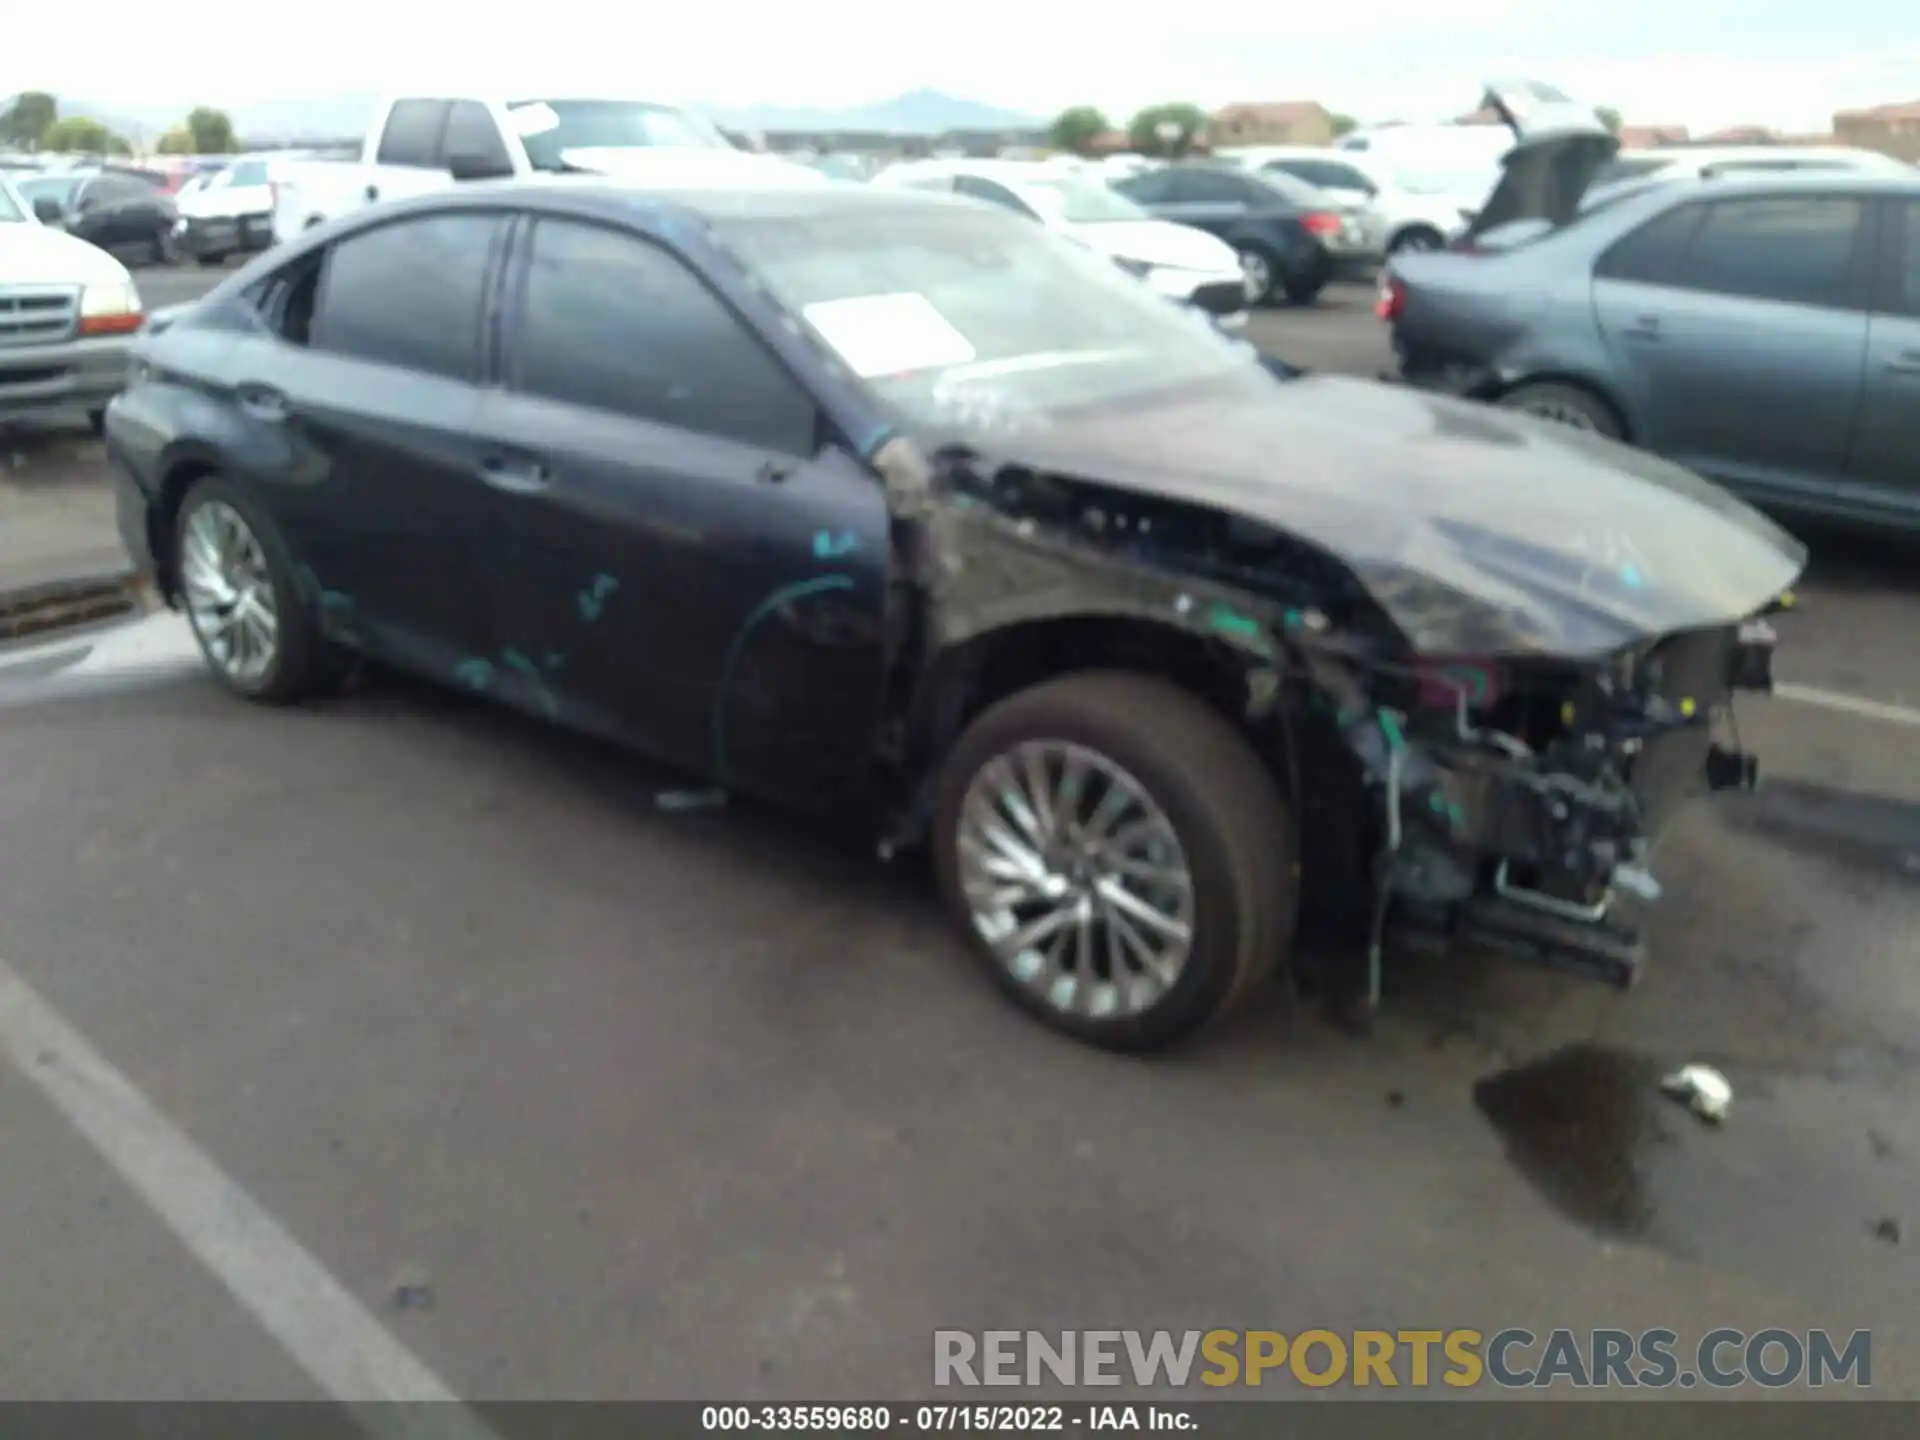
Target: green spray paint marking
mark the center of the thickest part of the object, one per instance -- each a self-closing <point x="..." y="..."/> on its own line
<point x="593" y="599"/>
<point x="1232" y="622"/>
<point x="829" y="547"/>
<point x="785" y="595"/>
<point x="475" y="674"/>
<point x="1390" y="728"/>
<point x="515" y="660"/>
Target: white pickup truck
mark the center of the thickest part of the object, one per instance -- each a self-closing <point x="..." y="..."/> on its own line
<point x="420" y="143"/>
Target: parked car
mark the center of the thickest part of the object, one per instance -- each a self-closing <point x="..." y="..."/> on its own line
<point x="913" y="512"/>
<point x="1762" y="329"/>
<point x="417" y="144"/>
<point x="1288" y="238"/>
<point x="231" y="213"/>
<point x="1403" y="213"/>
<point x="68" y="314"/>
<point x="1699" y="162"/>
<point x="1179" y="262"/>
<point x="122" y="211"/>
<point x="1448" y="157"/>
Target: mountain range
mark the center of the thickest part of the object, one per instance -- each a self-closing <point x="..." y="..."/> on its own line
<point x="916" y="112"/>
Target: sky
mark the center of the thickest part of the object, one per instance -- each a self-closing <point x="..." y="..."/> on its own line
<point x="1703" y="63"/>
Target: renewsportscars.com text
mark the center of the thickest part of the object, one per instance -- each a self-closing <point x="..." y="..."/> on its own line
<point x="1511" y="1359"/>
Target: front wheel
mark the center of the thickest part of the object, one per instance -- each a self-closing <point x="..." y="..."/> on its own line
<point x="255" y="626"/>
<point x="1120" y="858"/>
<point x="1256" y="274"/>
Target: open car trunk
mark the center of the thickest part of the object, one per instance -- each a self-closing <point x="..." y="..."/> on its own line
<point x="1561" y="146"/>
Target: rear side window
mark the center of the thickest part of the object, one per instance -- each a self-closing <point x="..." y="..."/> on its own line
<point x="1906" y="274"/>
<point x="1795" y="249"/>
<point x="412" y="133"/>
<point x="409" y="294"/>
<point x="471" y="131"/>
<point x="1152" y="188"/>
<point x="1208" y="187"/>
<point x="614" y="323"/>
<point x="1651" y="255"/>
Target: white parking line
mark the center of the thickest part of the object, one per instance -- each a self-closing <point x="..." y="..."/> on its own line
<point x="349" y="1354"/>
<point x="1848" y="704"/>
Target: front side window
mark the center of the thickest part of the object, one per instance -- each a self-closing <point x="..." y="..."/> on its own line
<point x="412" y="134"/>
<point x="1794" y="249"/>
<point x="993" y="193"/>
<point x="615" y="323"/>
<point x="1151" y="187"/>
<point x="952" y="313"/>
<point x="409" y="294"/>
<point x="1080" y="201"/>
<point x="550" y="128"/>
<point x="1208" y="187"/>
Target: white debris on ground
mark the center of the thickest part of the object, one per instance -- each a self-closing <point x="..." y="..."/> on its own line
<point x="1702" y="1089"/>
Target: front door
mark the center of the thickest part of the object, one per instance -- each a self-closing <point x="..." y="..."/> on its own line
<point x="1747" y="360"/>
<point x="360" y="414"/>
<point x="1886" y="443"/>
<point x="696" y="568"/>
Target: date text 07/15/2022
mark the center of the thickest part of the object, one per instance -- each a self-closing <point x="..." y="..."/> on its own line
<point x="943" y="1419"/>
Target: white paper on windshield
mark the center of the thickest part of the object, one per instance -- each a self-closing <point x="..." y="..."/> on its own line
<point x="889" y="334"/>
<point x="533" y="119"/>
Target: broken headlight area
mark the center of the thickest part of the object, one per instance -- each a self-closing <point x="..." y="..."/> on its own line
<point x="1517" y="800"/>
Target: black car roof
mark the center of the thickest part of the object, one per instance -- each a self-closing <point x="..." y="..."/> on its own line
<point x="614" y="200"/>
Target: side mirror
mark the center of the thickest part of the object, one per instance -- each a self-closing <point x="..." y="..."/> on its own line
<point x="49" y="211"/>
<point x="470" y="165"/>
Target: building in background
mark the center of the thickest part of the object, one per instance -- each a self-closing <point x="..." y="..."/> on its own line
<point x="1891" y="129"/>
<point x="1275" y="122"/>
<point x="1646" y="137"/>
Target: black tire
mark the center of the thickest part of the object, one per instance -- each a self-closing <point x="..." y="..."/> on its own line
<point x="1228" y="815"/>
<point x="1568" y="405"/>
<point x="1306" y="289"/>
<point x="1416" y="239"/>
<point x="97" y="423"/>
<point x="301" y="663"/>
<point x="211" y="260"/>
<point x="1266" y="257"/>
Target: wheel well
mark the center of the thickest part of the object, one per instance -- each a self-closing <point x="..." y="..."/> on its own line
<point x="165" y="512"/>
<point x="1574" y="382"/>
<point x="991" y="667"/>
<point x="1414" y="227"/>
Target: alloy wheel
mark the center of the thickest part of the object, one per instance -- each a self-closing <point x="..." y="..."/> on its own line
<point x="1418" y="242"/>
<point x="1076" y="880"/>
<point x="229" y="593"/>
<point x="1256" y="275"/>
<point x="1572" y="416"/>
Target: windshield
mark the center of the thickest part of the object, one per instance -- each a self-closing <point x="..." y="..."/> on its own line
<point x="549" y="127"/>
<point x="12" y="208"/>
<point x="1079" y="201"/>
<point x="971" y="319"/>
<point x="49" y="187"/>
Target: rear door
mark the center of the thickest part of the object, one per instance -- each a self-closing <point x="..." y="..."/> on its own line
<point x="1744" y="351"/>
<point x="1886" y="442"/>
<point x="695" y="568"/>
<point x="359" y="413"/>
<point x="1214" y="200"/>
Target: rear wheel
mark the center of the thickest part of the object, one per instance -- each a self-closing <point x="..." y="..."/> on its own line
<point x="1120" y="858"/>
<point x="243" y="598"/>
<point x="1305" y="289"/>
<point x="1257" y="273"/>
<point x="207" y="259"/>
<point x="1567" y="405"/>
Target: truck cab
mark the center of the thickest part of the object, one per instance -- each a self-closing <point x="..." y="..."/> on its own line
<point x="421" y="143"/>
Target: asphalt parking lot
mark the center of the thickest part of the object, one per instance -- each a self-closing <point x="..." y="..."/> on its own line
<point x="572" y="1094"/>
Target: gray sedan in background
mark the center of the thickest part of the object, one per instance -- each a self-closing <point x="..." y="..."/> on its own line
<point x="1763" y="331"/>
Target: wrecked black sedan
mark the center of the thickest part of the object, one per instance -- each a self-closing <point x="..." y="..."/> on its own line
<point x="895" y="507"/>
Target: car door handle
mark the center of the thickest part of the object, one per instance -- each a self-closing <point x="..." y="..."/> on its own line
<point x="773" y="472"/>
<point x="262" y="403"/>
<point x="1644" y="327"/>
<point x="520" y="474"/>
<point x="373" y="192"/>
<point x="1907" y="362"/>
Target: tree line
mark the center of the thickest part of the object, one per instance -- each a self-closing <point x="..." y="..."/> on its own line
<point x="32" y="121"/>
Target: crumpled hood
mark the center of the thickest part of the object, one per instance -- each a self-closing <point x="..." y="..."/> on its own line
<point x="1158" y="242"/>
<point x="32" y="254"/>
<point x="1478" y="531"/>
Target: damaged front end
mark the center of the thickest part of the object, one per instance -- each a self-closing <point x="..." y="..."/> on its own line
<point x="1517" y="800"/>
